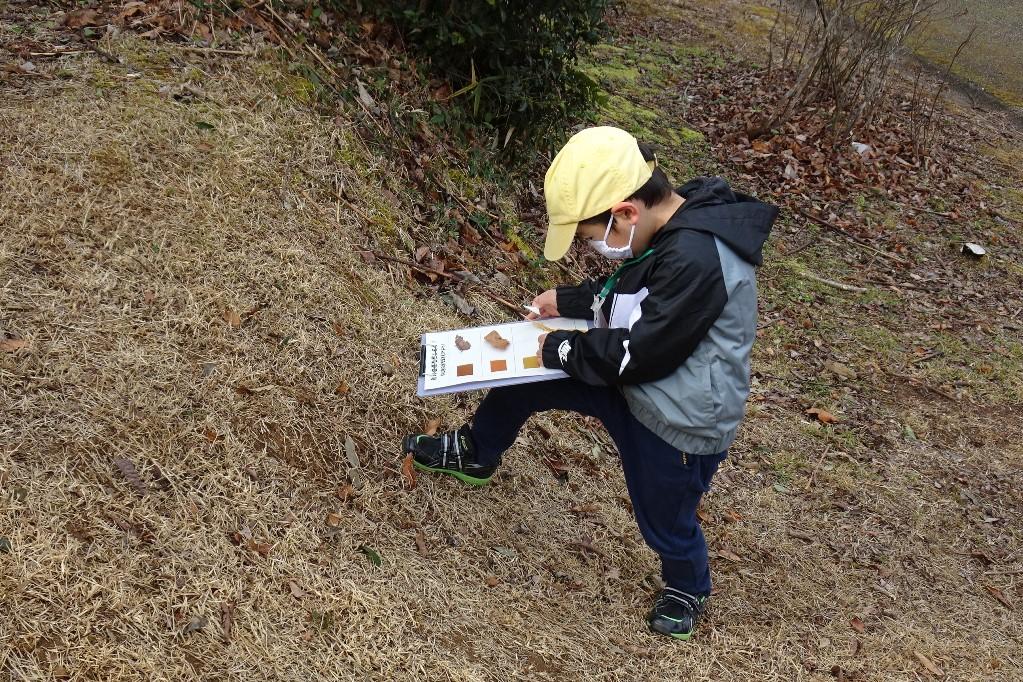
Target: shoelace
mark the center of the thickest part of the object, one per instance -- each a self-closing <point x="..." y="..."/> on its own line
<point x="445" y="448"/>
<point x="670" y="594"/>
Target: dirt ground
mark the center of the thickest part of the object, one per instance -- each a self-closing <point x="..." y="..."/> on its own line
<point x="189" y="337"/>
<point x="993" y="58"/>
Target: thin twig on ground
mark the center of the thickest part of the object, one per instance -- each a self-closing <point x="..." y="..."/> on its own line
<point x="831" y="283"/>
<point x="858" y="240"/>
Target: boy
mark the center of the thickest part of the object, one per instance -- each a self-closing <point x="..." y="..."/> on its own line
<point x="667" y="366"/>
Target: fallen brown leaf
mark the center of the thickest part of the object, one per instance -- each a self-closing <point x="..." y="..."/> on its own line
<point x="432" y="426"/>
<point x="822" y="416"/>
<point x="131" y="474"/>
<point x="232" y="318"/>
<point x="79" y="532"/>
<point x="333" y="519"/>
<point x="857" y="624"/>
<point x="355" y="469"/>
<point x="421" y="541"/>
<point x="801" y="535"/>
<point x="80" y="18"/>
<point x="844" y="371"/>
<point x="131" y="9"/>
<point x="558" y="468"/>
<point x="999" y="595"/>
<point x="11" y="345"/>
<point x="927" y="663"/>
<point x="585" y="544"/>
<point x="296" y="591"/>
<point x="982" y="557"/>
<point x="260" y="548"/>
<point x="408" y="473"/>
<point x="138" y="530"/>
<point x="634" y="650"/>
<point x="342" y="388"/>
<point x="469" y="234"/>
<point x="462" y="305"/>
<point x="732" y="516"/>
<point x="227" y="619"/>
<point x="493" y="581"/>
<point x="729" y="554"/>
<point x="462" y="344"/>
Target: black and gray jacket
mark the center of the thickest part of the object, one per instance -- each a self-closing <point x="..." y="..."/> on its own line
<point x="676" y="328"/>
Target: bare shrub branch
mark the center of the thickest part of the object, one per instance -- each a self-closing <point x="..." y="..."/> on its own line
<point x="839" y="55"/>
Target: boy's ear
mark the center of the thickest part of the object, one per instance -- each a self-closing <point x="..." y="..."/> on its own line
<point x="626" y="210"/>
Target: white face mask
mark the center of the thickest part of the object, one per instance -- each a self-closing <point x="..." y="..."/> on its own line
<point x="613" y="252"/>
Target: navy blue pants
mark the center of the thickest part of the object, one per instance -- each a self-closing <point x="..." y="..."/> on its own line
<point x="664" y="485"/>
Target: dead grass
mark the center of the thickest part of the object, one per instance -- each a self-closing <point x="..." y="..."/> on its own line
<point x="127" y="231"/>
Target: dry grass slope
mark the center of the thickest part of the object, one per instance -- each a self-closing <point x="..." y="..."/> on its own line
<point x="126" y="231"/>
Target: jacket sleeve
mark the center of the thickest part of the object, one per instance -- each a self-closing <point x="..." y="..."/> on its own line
<point x="685" y="298"/>
<point x="576" y="302"/>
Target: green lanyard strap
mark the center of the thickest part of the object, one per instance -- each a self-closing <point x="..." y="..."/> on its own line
<point x="613" y="279"/>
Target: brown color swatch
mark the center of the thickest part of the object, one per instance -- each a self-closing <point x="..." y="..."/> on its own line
<point x="464" y="371"/>
<point x="498" y="365"/>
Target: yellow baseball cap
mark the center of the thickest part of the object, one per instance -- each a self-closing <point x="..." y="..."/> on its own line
<point x="596" y="169"/>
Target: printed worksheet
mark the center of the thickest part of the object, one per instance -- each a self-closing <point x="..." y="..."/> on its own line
<point x="484" y="357"/>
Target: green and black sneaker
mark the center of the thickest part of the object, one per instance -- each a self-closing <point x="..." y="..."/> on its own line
<point x="451" y="452"/>
<point x="676" y="613"/>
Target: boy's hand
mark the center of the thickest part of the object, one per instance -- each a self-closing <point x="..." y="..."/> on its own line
<point x="539" y="350"/>
<point x="547" y="302"/>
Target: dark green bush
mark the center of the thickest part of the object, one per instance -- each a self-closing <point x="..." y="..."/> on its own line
<point x="511" y="63"/>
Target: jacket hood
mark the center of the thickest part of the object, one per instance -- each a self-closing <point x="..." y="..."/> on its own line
<point x="739" y="220"/>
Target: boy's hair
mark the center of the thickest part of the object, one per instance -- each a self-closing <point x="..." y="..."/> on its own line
<point x="655" y="190"/>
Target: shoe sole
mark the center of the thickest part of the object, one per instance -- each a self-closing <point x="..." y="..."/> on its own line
<point x="464" y="478"/>
<point x="684" y="636"/>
